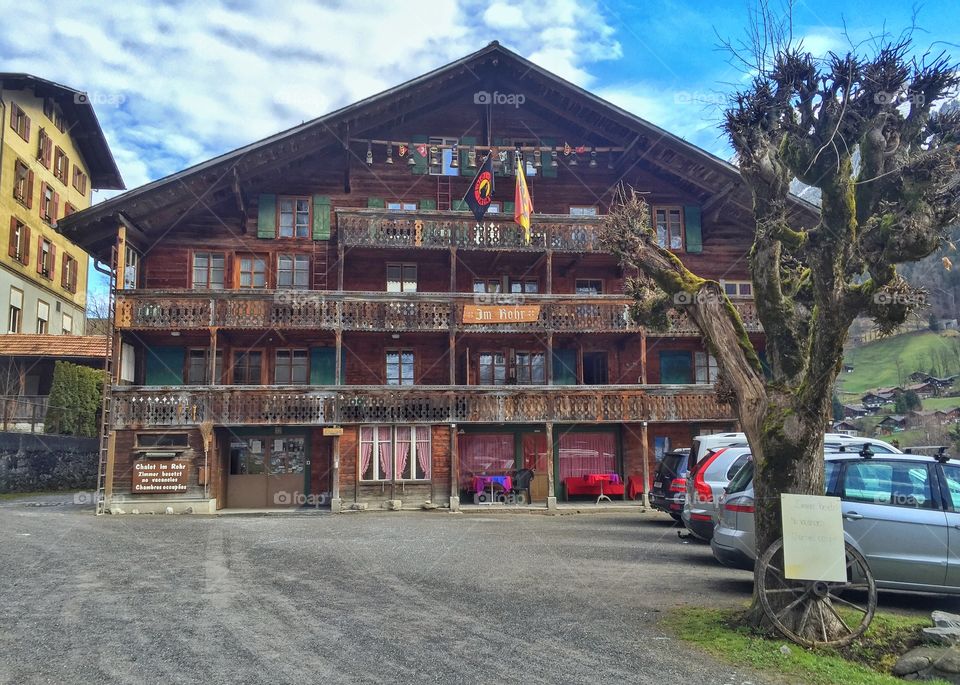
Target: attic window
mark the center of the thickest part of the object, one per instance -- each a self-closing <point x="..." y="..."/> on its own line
<point x="294" y="217"/>
<point x="668" y="222"/>
<point x="19" y="121"/>
<point x="444" y="157"/>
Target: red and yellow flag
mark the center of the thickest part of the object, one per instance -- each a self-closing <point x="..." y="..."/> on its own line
<point x="522" y="204"/>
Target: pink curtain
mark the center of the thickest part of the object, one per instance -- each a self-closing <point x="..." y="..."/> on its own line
<point x="386" y="458"/>
<point x="403" y="450"/>
<point x="485" y="454"/>
<point x="366" y="451"/>
<point x="583" y="453"/>
<point x="423" y="450"/>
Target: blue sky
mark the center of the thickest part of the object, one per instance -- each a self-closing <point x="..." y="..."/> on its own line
<point x="177" y="82"/>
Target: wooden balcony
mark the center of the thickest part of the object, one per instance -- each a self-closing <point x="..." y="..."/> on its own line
<point x="147" y="407"/>
<point x="441" y="230"/>
<point x="387" y="312"/>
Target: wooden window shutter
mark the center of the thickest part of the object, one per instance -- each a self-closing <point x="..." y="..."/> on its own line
<point x="421" y="162"/>
<point x="375" y="203"/>
<point x="323" y="363"/>
<point x="29" y="198"/>
<point x="508" y="208"/>
<point x="547" y="170"/>
<point x="465" y="144"/>
<point x="26" y="128"/>
<point x="64" y="275"/>
<point x="267" y="216"/>
<point x="694" y="234"/>
<point x="12" y="247"/>
<point x="321" y="217"/>
<point x="428" y="204"/>
<point x="40" y="254"/>
<point x="53" y="261"/>
<point x="56" y="208"/>
<point x="25" y="257"/>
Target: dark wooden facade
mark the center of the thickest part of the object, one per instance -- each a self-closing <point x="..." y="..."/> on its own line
<point x="389" y="368"/>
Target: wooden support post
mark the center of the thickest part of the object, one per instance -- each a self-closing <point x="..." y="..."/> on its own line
<point x="643" y="357"/>
<point x="549" y="272"/>
<point x="452" y="351"/>
<point x="549" y="361"/>
<point x="212" y="360"/>
<point x="646" y="468"/>
<point x="454" y="469"/>
<point x="453" y="268"/>
<point x="111" y="460"/>
<point x="341" y="255"/>
<point x="338" y="359"/>
<point x="551" y="488"/>
<point x="335" y="504"/>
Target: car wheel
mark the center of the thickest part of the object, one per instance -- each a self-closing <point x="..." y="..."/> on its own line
<point x="676" y="517"/>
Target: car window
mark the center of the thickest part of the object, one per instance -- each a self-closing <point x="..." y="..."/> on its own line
<point x="737" y="465"/>
<point x="743" y="478"/>
<point x="952" y="473"/>
<point x="903" y="484"/>
<point x="830" y="471"/>
<point x="675" y="463"/>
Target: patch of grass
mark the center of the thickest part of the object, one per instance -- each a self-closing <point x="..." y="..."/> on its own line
<point x="941" y="403"/>
<point x="26" y="495"/>
<point x="875" y="364"/>
<point x="867" y="661"/>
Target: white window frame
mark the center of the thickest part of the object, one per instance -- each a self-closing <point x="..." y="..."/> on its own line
<point x="397" y="206"/>
<point x="743" y="289"/>
<point x="15" y="311"/>
<point x="446" y="156"/>
<point x="43" y="316"/>
<point x="370" y="434"/>
<point x="583" y="210"/>
<point x="131" y="268"/>
<point x="402" y="285"/>
<point x="705" y="368"/>
<point x="128" y="362"/>
<point x="64" y="318"/>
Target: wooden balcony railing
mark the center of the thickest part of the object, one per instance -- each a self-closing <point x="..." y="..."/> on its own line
<point x="322" y="310"/>
<point x="435" y="229"/>
<point x="145" y="407"/>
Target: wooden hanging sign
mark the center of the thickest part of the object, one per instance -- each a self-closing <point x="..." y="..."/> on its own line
<point x="159" y="476"/>
<point x="486" y="314"/>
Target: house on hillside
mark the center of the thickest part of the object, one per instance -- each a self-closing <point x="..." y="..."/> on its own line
<point x="875" y="400"/>
<point x="919" y="377"/>
<point x="895" y="423"/>
<point x="928" y="418"/>
<point x="845" y="427"/>
<point x="334" y="325"/>
<point x="924" y="390"/>
<point x="855" y="411"/>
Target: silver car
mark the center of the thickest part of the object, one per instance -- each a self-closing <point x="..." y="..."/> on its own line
<point x="706" y="482"/>
<point x="900" y="511"/>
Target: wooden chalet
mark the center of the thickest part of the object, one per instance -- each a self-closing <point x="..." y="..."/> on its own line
<point x="316" y="317"/>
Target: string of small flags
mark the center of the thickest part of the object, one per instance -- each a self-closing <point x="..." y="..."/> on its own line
<point x="433" y="153"/>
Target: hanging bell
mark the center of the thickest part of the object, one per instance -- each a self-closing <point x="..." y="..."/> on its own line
<point x="454" y="157"/>
<point x="435" y="158"/>
<point x="389" y="153"/>
<point x="410" y="160"/>
<point x="369" y="153"/>
<point x="593" y="159"/>
<point x="472" y="158"/>
<point x="537" y="163"/>
<point x="553" y="159"/>
<point x="573" y="159"/>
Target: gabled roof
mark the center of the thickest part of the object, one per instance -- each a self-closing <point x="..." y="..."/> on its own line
<point x="84" y="127"/>
<point x="62" y="346"/>
<point x="216" y="171"/>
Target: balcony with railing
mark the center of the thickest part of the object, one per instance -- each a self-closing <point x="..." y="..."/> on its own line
<point x="443" y="229"/>
<point x="173" y="406"/>
<point x="390" y="312"/>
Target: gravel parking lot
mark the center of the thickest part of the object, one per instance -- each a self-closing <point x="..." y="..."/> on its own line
<point x="402" y="597"/>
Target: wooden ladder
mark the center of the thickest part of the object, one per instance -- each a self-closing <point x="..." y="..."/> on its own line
<point x="106" y="405"/>
<point x="443" y="192"/>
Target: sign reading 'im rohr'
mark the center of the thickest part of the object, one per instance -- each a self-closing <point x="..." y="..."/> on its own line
<point x="160" y="476"/>
<point x="482" y="313"/>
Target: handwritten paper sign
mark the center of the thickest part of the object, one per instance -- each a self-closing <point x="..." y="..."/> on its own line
<point x="159" y="476"/>
<point x="813" y="547"/>
<point x="481" y="313"/>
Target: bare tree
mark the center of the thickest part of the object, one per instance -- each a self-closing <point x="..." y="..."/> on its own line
<point x="808" y="119"/>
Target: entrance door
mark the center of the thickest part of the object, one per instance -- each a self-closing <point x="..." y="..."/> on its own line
<point x="247" y="481"/>
<point x="267" y="472"/>
<point x="594" y="368"/>
<point x="535" y="458"/>
<point x="285" y="476"/>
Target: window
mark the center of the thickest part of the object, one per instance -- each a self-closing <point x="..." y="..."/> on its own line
<point x="61" y="165"/>
<point x="68" y="209"/>
<point x="524" y="286"/>
<point x="401" y="278"/>
<point x="291" y="367"/>
<point x="294" y="217"/>
<point x="79" y="180"/>
<point x="15" y="314"/>
<point x="440" y="157"/>
<point x="152" y="440"/>
<point x="66" y="324"/>
<point x="669" y="224"/>
<point x="131" y="267"/>
<point x="198" y="366"/>
<point x="128" y="362"/>
<point x="44" y="148"/>
<point x="48" y="108"/>
<point x="59" y="121"/>
<point x="22" y="184"/>
<point x="293" y="271"/>
<point x="738" y="288"/>
<point x="530" y="368"/>
<point x="247" y="367"/>
<point x="19" y="247"/>
<point x="19" y="121"/>
<point x="402" y="452"/>
<point x="582" y="211"/>
<point x="675" y="367"/>
<point x="400" y="367"/>
<point x="487" y="285"/>
<point x="896" y="483"/>
<point x="493" y="208"/>
<point x="253" y="271"/>
<point x="49" y="203"/>
<point x="493" y="369"/>
<point x="46" y="258"/>
<point x="68" y="277"/>
<point x="705" y="368"/>
<point x="402" y="206"/>
<point x="588" y="286"/>
<point x="208" y="270"/>
<point x="43" y="316"/>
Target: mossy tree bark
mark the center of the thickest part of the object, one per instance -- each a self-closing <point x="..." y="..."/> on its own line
<point x="808" y="119"/>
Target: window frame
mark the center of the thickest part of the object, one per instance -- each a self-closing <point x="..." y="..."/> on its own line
<point x="583" y="210"/>
<point x="295" y="257"/>
<point x="523" y="283"/>
<point x="245" y="353"/>
<point x="254" y="258"/>
<point x="704" y="361"/>
<point x="294" y="353"/>
<point x="46" y="321"/>
<point x="370" y="434"/>
<point x="401" y="206"/>
<point x="66" y="330"/>
<point x="493" y="367"/>
<point x="49" y="206"/>
<point x="19" y="312"/>
<point x="44" y="148"/>
<point x="69" y="270"/>
<point x="738" y="286"/>
<point x="309" y="225"/>
<point x="445" y="143"/>
<point x="403" y="266"/>
<point x="209" y="270"/>
<point x="22" y="183"/>
<point x="19" y="249"/>
<point x="401" y="380"/>
<point x="43" y="268"/>
<point x="205" y="356"/>
<point x="599" y="291"/>
<point x="60" y="158"/>
<point x="20" y="121"/>
<point x="79" y="180"/>
<point x="530" y="366"/>
<point x="682" y="224"/>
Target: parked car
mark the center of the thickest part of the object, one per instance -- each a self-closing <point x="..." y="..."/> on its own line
<point x="705" y="484"/>
<point x="901" y="511"/>
<point x="669" y="482"/>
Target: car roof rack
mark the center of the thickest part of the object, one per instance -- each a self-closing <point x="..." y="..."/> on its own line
<point x="941" y="456"/>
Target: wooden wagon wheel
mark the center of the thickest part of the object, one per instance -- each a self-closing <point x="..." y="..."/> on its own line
<point x="780" y="597"/>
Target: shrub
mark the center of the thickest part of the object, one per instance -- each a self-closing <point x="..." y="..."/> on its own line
<point x="74" y="402"/>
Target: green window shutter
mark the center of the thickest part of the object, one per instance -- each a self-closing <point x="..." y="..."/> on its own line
<point x="564" y="367"/>
<point x="691" y="219"/>
<point x="421" y="165"/>
<point x="546" y="170"/>
<point x="428" y="204"/>
<point x="267" y="216"/>
<point x="459" y="206"/>
<point x="164" y="366"/>
<point x="321" y="217"/>
<point x="676" y="366"/>
<point x="508" y="208"/>
<point x="323" y="363"/>
<point x="375" y="203"/>
<point x="465" y="143"/>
